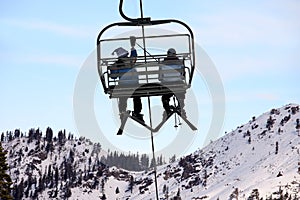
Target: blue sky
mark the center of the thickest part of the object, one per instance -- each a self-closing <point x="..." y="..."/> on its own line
<point x="254" y="45"/>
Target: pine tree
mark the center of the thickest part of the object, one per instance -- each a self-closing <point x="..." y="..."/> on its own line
<point x="117" y="190"/>
<point x="2" y="137"/>
<point x="204" y="178"/>
<point x="144" y="162"/>
<point x="167" y="193"/>
<point x="178" y="193"/>
<point x="102" y="185"/>
<point x="172" y="159"/>
<point x="103" y="197"/>
<point x="56" y="176"/>
<point x="234" y="194"/>
<point x="68" y="192"/>
<point x="61" y="138"/>
<point x="297" y="127"/>
<point x="131" y="183"/>
<point x="17" y="133"/>
<point x="164" y="188"/>
<point x="152" y="164"/>
<point x="161" y="160"/>
<point x="49" y="134"/>
<point x="5" y="180"/>
<point x="254" y="195"/>
<point x="270" y="123"/>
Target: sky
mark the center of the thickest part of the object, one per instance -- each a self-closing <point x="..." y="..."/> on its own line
<point x="253" y="46"/>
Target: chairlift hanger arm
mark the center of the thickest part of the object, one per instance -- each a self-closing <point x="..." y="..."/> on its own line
<point x="139" y="20"/>
<point x="140" y="23"/>
<point x="147" y="21"/>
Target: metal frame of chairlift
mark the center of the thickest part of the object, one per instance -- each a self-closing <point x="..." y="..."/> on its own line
<point x="146" y="90"/>
<point x="146" y="62"/>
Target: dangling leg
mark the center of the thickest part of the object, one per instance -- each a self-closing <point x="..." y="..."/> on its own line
<point x="181" y="103"/>
<point x="137" y="105"/>
<point x="137" y="108"/>
<point x="166" y="103"/>
<point x="122" y="106"/>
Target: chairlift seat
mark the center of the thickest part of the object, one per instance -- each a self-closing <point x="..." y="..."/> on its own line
<point x="142" y="80"/>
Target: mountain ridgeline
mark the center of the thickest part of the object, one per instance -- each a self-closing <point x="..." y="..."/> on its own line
<point x="257" y="160"/>
<point x="40" y="162"/>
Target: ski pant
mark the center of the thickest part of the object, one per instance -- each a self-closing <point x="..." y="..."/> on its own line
<point x="137" y="104"/>
<point x="180" y="96"/>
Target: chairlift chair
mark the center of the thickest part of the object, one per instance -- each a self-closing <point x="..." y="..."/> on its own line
<point x="148" y="67"/>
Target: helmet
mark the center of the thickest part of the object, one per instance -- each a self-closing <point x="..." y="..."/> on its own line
<point x="171" y="51"/>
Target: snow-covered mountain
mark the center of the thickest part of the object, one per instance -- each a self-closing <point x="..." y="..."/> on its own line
<point x="258" y="160"/>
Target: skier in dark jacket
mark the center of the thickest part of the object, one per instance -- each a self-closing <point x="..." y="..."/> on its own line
<point x="173" y="77"/>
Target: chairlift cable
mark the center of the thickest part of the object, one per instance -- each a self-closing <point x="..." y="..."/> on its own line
<point x="149" y="106"/>
<point x="153" y="151"/>
<point x="143" y="35"/>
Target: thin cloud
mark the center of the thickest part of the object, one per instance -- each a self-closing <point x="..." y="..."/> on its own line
<point x="60" y="29"/>
<point x="251" y="96"/>
<point x="44" y="59"/>
<point x="60" y="60"/>
<point x="240" y="27"/>
<point x="246" y="66"/>
<point x="251" y="41"/>
<point x="267" y="96"/>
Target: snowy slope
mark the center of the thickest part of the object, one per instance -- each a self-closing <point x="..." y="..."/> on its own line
<point x="235" y="161"/>
<point x="261" y="157"/>
<point x="34" y="170"/>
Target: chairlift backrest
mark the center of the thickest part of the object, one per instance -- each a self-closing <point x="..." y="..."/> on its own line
<point x="172" y="73"/>
<point x="151" y="69"/>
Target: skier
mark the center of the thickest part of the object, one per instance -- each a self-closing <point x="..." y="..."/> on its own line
<point x="129" y="78"/>
<point x="172" y="77"/>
